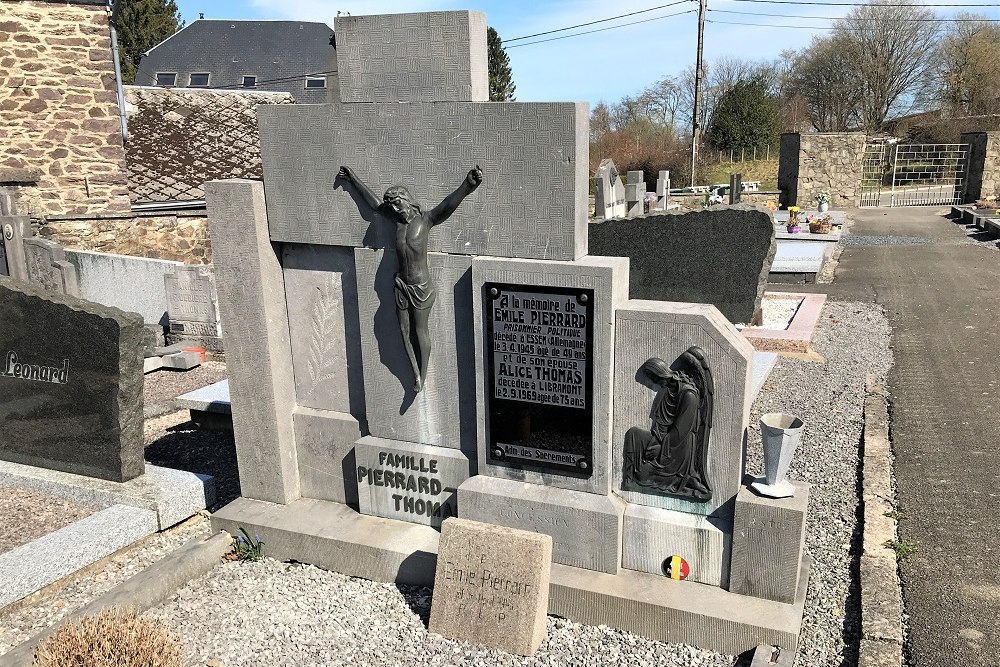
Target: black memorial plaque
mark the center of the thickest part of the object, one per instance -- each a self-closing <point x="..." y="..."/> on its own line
<point x="539" y="344"/>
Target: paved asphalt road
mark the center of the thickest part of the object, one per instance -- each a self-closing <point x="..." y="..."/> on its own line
<point x="943" y="300"/>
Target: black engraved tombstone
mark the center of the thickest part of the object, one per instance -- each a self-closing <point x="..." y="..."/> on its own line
<point x="539" y="385"/>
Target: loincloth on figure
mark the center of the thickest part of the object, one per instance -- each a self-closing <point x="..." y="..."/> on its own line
<point x="419" y="296"/>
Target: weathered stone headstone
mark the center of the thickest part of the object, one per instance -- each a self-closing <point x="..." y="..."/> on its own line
<point x="609" y="199"/>
<point x="662" y="190"/>
<point x="735" y="188"/>
<point x="720" y="257"/>
<point x="191" y="304"/>
<point x="491" y="586"/>
<point x="47" y="267"/>
<point x="70" y="384"/>
<point x="635" y="194"/>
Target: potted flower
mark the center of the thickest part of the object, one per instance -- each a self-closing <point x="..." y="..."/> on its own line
<point x="821" y="225"/>
<point x="793" y="220"/>
<point x="822" y="201"/>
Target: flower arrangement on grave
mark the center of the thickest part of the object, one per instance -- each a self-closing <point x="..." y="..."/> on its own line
<point x="772" y="206"/>
<point x="821" y="225"/>
<point x="823" y="201"/>
<point x="793" y="220"/>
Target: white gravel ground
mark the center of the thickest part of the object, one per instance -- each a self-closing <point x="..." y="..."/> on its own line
<point x="273" y="613"/>
<point x="777" y="313"/>
<point x="29" y="617"/>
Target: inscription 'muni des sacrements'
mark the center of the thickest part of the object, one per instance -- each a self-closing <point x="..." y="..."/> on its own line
<point x="539" y="352"/>
<point x="411" y="477"/>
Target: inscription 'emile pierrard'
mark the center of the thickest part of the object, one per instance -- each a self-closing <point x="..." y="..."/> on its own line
<point x="14" y="368"/>
<point x="415" y="291"/>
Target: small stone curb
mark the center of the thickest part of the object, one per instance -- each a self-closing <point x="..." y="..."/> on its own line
<point x="145" y="590"/>
<point x="881" y="597"/>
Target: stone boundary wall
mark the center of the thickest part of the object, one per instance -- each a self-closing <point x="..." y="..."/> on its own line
<point x="829" y="161"/>
<point x="982" y="177"/>
<point x="60" y="139"/>
<point x="180" y="236"/>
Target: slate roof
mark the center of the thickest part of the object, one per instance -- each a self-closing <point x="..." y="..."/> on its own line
<point x="278" y="53"/>
<point x="180" y="138"/>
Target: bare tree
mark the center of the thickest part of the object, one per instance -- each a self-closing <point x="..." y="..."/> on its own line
<point x="662" y="103"/>
<point x="967" y="68"/>
<point x="600" y="120"/>
<point x="823" y="76"/>
<point x="888" y="48"/>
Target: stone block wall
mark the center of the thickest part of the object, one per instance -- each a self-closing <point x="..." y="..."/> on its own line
<point x="60" y="139"/>
<point x="829" y="161"/>
<point x="982" y="177"/>
<point x="180" y="236"/>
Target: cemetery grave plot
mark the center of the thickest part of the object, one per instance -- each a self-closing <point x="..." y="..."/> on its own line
<point x="290" y="596"/>
<point x="26" y="514"/>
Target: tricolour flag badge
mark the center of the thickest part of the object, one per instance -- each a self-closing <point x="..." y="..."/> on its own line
<point x="676" y="568"/>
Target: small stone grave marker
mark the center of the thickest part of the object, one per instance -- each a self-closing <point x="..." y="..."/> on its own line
<point x="491" y="586"/>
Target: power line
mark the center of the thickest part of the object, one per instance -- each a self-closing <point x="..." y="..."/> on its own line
<point x="581" y="25"/>
<point x="863" y="4"/>
<point x="588" y="32"/>
<point x="834" y="18"/>
<point x="771" y="25"/>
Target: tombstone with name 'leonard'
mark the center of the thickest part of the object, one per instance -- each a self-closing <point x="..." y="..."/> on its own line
<point x="71" y="384"/>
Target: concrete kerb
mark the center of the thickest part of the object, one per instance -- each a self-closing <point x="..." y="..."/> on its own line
<point x="881" y="597"/>
<point x="145" y="590"/>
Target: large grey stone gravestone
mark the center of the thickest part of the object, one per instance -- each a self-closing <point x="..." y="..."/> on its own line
<point x="492" y="586"/>
<point x="70" y="384"/>
<point x="47" y="267"/>
<point x="191" y="304"/>
<point x="721" y="257"/>
<point x="635" y="194"/>
<point x="525" y="367"/>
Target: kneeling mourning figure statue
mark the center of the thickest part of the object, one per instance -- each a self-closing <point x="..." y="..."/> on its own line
<point x="672" y="457"/>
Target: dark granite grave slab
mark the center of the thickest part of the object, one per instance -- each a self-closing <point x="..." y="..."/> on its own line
<point x="70" y="384"/>
<point x="721" y="256"/>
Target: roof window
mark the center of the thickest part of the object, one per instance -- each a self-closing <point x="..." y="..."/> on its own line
<point x="315" y="82"/>
<point x="249" y="81"/>
<point x="166" y="78"/>
<point x="198" y="79"/>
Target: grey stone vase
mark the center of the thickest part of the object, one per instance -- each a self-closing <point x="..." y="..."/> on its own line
<point x="781" y="435"/>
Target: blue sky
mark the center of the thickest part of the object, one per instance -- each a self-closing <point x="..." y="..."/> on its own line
<point x="603" y="65"/>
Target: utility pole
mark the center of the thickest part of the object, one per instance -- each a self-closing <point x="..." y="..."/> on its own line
<point x="699" y="74"/>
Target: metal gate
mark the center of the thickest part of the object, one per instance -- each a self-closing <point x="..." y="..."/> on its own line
<point x="913" y="174"/>
<point x="873" y="165"/>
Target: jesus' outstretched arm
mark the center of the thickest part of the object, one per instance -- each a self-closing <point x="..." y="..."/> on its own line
<point x="444" y="210"/>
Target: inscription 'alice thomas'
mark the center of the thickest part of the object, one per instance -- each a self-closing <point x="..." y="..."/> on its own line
<point x="539" y="343"/>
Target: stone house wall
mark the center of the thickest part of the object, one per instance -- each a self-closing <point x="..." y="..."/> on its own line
<point x="61" y="147"/>
<point x="179" y="236"/>
<point x="825" y="161"/>
<point x="982" y="177"/>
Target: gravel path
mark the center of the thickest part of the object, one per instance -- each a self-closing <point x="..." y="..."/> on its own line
<point x="26" y="515"/>
<point x="163" y="386"/>
<point x="273" y="613"/>
<point x="26" y="619"/>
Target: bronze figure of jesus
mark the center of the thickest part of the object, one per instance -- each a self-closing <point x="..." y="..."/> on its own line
<point x="415" y="291"/>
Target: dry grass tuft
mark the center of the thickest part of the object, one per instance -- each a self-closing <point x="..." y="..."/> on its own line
<point x="113" y="638"/>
